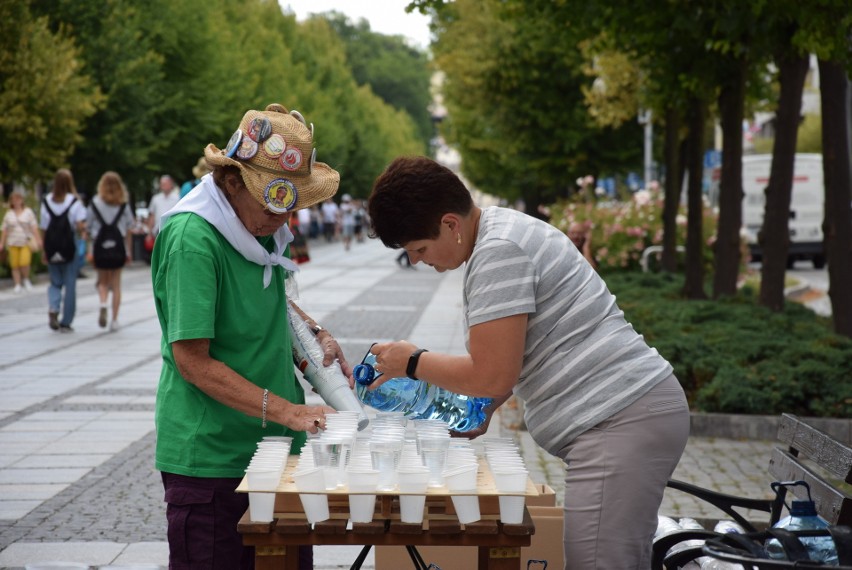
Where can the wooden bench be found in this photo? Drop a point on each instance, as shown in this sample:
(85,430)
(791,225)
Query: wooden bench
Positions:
(808,455)
(276,543)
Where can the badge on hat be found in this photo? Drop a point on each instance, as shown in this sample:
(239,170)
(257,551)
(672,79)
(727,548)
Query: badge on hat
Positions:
(247,149)
(234,143)
(280,195)
(274,146)
(291,159)
(259,129)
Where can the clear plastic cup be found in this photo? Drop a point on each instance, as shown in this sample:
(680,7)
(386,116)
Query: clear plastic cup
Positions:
(412,480)
(433,451)
(384,455)
(311,481)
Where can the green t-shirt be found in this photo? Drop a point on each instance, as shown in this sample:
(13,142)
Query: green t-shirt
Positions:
(204,288)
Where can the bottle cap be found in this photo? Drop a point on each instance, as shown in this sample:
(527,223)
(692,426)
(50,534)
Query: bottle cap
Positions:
(803,509)
(364,374)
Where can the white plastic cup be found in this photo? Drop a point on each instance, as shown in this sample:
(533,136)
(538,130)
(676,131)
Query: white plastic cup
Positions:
(315,505)
(361,507)
(262,505)
(412,480)
(511,506)
(464,479)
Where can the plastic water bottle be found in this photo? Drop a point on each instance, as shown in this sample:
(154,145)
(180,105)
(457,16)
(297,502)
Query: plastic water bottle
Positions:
(803,516)
(328,381)
(418,399)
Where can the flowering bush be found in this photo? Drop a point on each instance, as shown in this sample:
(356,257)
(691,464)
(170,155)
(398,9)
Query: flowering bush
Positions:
(621,231)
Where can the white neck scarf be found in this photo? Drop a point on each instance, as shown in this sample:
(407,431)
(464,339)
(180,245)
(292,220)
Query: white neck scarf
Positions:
(208,201)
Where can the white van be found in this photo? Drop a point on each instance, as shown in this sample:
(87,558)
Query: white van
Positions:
(806,206)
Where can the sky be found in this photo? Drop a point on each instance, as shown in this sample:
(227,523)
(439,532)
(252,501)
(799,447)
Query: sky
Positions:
(385,16)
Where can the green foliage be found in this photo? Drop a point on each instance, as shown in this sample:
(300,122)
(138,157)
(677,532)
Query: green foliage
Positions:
(398,73)
(808,140)
(622,230)
(516,109)
(733,356)
(44,96)
(176,76)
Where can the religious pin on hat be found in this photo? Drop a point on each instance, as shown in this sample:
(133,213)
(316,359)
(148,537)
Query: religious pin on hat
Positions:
(291,159)
(247,149)
(234,143)
(280,195)
(259,129)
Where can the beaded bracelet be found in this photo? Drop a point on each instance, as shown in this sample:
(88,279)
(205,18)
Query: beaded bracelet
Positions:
(265,400)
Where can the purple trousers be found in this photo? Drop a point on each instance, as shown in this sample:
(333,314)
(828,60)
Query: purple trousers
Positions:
(202,517)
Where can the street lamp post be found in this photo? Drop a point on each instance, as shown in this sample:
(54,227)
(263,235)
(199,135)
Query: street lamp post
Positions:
(645,119)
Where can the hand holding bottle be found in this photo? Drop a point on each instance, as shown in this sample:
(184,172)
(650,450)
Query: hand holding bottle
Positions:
(391,360)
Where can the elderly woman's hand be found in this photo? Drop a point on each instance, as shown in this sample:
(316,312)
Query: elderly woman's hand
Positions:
(331,351)
(305,418)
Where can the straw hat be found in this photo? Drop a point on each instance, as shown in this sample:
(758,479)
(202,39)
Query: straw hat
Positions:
(200,168)
(275,153)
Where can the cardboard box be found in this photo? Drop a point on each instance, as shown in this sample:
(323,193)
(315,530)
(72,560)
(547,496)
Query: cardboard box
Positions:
(546,543)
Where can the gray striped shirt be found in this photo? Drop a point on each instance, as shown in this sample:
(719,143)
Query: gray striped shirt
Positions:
(583,362)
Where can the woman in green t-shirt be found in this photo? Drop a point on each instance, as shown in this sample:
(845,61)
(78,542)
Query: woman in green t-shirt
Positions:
(219,269)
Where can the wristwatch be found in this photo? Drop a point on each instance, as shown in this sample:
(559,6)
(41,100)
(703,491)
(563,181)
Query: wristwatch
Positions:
(316,329)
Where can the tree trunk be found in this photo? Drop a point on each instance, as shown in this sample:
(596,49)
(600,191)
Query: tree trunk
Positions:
(727,247)
(774,236)
(837,225)
(694,286)
(672,190)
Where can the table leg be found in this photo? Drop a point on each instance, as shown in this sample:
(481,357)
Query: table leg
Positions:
(499,558)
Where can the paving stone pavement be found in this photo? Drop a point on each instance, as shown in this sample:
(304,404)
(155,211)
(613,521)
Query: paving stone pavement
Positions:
(77,481)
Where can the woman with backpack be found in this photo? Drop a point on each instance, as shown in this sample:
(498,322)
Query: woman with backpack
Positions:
(62,216)
(109,219)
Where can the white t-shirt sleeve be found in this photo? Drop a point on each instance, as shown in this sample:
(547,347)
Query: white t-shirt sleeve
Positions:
(501,282)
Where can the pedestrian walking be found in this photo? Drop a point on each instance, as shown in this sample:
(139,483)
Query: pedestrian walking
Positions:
(347,220)
(162,202)
(540,323)
(109,221)
(62,221)
(227,380)
(20,239)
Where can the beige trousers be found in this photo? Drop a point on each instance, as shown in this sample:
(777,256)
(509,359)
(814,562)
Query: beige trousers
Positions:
(615,477)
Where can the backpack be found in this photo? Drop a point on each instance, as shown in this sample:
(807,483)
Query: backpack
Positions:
(59,244)
(108,250)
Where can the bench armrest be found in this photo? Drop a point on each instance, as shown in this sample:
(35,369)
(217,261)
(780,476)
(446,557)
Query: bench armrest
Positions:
(724,502)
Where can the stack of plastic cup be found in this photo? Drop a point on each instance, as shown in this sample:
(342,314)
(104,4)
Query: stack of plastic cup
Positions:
(311,484)
(342,426)
(510,476)
(263,475)
(386,442)
(463,479)
(326,453)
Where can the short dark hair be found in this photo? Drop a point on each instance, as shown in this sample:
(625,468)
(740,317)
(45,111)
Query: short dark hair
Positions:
(411,196)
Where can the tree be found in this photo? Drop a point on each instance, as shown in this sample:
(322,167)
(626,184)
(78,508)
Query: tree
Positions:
(837,227)
(515,107)
(774,236)
(395,71)
(45,96)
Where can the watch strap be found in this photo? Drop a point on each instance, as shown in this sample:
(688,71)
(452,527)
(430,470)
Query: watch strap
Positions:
(412,363)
